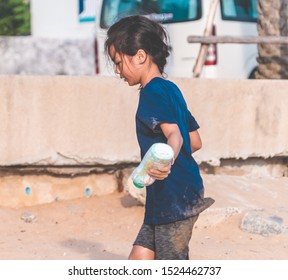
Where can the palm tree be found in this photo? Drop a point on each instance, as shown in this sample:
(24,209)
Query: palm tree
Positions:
(272,21)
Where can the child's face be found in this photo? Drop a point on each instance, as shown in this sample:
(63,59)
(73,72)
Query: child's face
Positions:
(128,67)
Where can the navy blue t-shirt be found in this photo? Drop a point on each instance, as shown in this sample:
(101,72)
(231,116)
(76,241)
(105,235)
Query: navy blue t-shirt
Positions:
(171,199)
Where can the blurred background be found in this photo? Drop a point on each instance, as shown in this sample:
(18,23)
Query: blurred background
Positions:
(66,37)
(47,37)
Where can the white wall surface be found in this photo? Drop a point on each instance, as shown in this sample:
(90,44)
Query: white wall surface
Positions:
(60,19)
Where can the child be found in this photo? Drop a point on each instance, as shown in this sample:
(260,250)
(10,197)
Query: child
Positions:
(138,49)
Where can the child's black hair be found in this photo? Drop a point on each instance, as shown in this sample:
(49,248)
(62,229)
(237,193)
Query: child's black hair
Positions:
(132,33)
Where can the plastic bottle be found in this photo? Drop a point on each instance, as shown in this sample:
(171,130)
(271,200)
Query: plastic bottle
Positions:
(158,155)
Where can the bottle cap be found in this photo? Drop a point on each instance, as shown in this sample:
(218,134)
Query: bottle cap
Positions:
(162,151)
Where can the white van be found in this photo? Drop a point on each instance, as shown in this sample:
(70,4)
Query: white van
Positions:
(183,18)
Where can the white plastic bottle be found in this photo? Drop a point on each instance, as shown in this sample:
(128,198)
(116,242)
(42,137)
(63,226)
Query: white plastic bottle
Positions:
(158,155)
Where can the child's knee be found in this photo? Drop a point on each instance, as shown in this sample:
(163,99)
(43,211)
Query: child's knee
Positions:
(141,253)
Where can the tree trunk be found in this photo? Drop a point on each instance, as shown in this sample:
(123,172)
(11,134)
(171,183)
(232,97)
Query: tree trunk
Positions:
(272,21)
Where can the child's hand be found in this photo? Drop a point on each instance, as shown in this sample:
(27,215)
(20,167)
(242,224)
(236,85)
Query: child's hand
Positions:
(160,173)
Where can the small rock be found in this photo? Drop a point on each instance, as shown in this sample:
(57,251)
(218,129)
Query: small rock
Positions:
(29,217)
(260,222)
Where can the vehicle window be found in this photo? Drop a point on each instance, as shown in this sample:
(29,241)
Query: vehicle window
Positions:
(239,10)
(165,11)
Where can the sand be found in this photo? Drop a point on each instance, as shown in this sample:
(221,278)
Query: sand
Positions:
(104,227)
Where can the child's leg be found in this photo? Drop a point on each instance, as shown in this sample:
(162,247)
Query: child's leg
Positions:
(172,240)
(143,247)
(141,253)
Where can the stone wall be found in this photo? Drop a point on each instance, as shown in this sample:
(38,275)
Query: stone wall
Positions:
(39,56)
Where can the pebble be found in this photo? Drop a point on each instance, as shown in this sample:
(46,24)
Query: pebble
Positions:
(263,223)
(28,217)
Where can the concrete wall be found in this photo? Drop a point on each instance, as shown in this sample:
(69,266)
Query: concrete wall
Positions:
(79,128)
(239,118)
(66,120)
(46,56)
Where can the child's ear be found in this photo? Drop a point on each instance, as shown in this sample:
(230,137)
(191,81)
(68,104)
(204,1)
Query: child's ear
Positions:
(141,56)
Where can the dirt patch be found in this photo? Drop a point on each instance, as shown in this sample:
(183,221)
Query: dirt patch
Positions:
(104,227)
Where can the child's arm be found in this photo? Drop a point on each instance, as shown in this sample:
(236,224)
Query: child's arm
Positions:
(195,141)
(173,135)
(175,140)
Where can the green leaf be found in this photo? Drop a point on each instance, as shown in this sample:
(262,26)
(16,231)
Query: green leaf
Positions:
(15,17)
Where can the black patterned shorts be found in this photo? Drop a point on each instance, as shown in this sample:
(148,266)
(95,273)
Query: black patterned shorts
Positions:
(168,241)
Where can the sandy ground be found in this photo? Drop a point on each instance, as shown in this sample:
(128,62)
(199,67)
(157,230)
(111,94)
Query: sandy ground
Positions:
(104,227)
